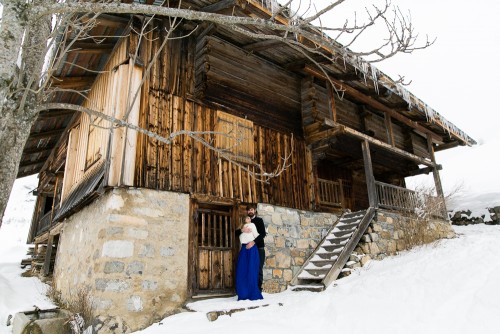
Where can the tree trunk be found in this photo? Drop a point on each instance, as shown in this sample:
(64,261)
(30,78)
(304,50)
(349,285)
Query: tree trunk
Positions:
(18,86)
(14,132)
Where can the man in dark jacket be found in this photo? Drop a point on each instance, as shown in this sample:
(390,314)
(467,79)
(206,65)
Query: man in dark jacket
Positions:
(259,241)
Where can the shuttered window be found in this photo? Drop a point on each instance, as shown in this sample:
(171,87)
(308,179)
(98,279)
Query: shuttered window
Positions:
(234,135)
(95,142)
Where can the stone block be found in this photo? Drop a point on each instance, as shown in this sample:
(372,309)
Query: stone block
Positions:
(149,285)
(114,285)
(118,248)
(391,247)
(374,237)
(298,261)
(167,251)
(127,220)
(364,260)
(137,233)
(114,267)
(374,249)
(135,268)
(134,304)
(271,261)
(277,273)
(147,250)
(377,228)
(287,275)
(271,229)
(276,219)
(283,260)
(303,243)
(279,242)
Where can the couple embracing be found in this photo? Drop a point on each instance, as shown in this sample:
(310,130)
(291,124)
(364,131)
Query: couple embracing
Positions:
(249,274)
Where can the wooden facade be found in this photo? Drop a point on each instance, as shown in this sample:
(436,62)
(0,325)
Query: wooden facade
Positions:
(342,148)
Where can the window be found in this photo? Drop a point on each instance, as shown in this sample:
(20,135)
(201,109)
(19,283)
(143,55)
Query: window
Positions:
(234,135)
(94,150)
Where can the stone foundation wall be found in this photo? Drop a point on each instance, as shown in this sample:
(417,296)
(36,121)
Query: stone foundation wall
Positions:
(386,234)
(292,235)
(129,249)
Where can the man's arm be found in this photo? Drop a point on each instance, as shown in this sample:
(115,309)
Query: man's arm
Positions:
(261,228)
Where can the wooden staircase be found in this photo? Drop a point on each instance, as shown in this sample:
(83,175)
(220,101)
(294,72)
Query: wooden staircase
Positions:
(328,259)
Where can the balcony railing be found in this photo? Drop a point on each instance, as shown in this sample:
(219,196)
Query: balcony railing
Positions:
(331,193)
(396,198)
(44,223)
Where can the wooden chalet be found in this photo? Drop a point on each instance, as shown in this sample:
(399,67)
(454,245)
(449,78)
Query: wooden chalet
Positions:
(349,151)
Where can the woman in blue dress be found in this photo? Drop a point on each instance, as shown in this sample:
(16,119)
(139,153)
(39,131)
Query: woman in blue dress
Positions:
(247,266)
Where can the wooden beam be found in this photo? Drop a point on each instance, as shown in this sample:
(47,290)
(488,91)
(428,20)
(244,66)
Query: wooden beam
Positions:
(41,135)
(90,48)
(354,93)
(38,149)
(370,179)
(112,21)
(435,173)
(218,6)
(32,163)
(388,129)
(351,132)
(425,170)
(262,45)
(72,82)
(446,146)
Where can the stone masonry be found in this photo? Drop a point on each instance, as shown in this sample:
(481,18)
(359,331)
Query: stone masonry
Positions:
(129,250)
(292,236)
(384,236)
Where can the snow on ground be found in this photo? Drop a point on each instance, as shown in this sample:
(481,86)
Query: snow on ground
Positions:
(18,293)
(447,287)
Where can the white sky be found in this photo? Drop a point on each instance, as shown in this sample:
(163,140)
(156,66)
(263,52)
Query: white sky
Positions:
(455,292)
(457,77)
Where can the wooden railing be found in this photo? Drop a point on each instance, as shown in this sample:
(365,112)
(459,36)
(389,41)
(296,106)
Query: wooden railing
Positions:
(331,193)
(396,198)
(44,223)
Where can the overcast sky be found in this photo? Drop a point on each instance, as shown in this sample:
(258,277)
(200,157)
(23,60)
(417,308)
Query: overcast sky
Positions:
(458,77)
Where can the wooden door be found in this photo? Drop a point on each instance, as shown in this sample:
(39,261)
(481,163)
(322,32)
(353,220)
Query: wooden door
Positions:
(214,244)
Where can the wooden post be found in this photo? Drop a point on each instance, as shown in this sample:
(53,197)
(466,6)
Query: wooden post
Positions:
(435,173)
(331,101)
(388,129)
(48,256)
(370,179)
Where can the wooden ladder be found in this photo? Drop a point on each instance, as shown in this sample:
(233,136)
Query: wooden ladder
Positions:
(325,263)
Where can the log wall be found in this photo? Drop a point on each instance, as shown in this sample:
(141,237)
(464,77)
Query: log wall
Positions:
(188,166)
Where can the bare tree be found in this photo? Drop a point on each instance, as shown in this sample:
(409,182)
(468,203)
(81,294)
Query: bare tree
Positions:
(30,51)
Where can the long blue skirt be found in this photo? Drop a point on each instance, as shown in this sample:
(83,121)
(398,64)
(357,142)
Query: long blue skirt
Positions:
(247,274)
